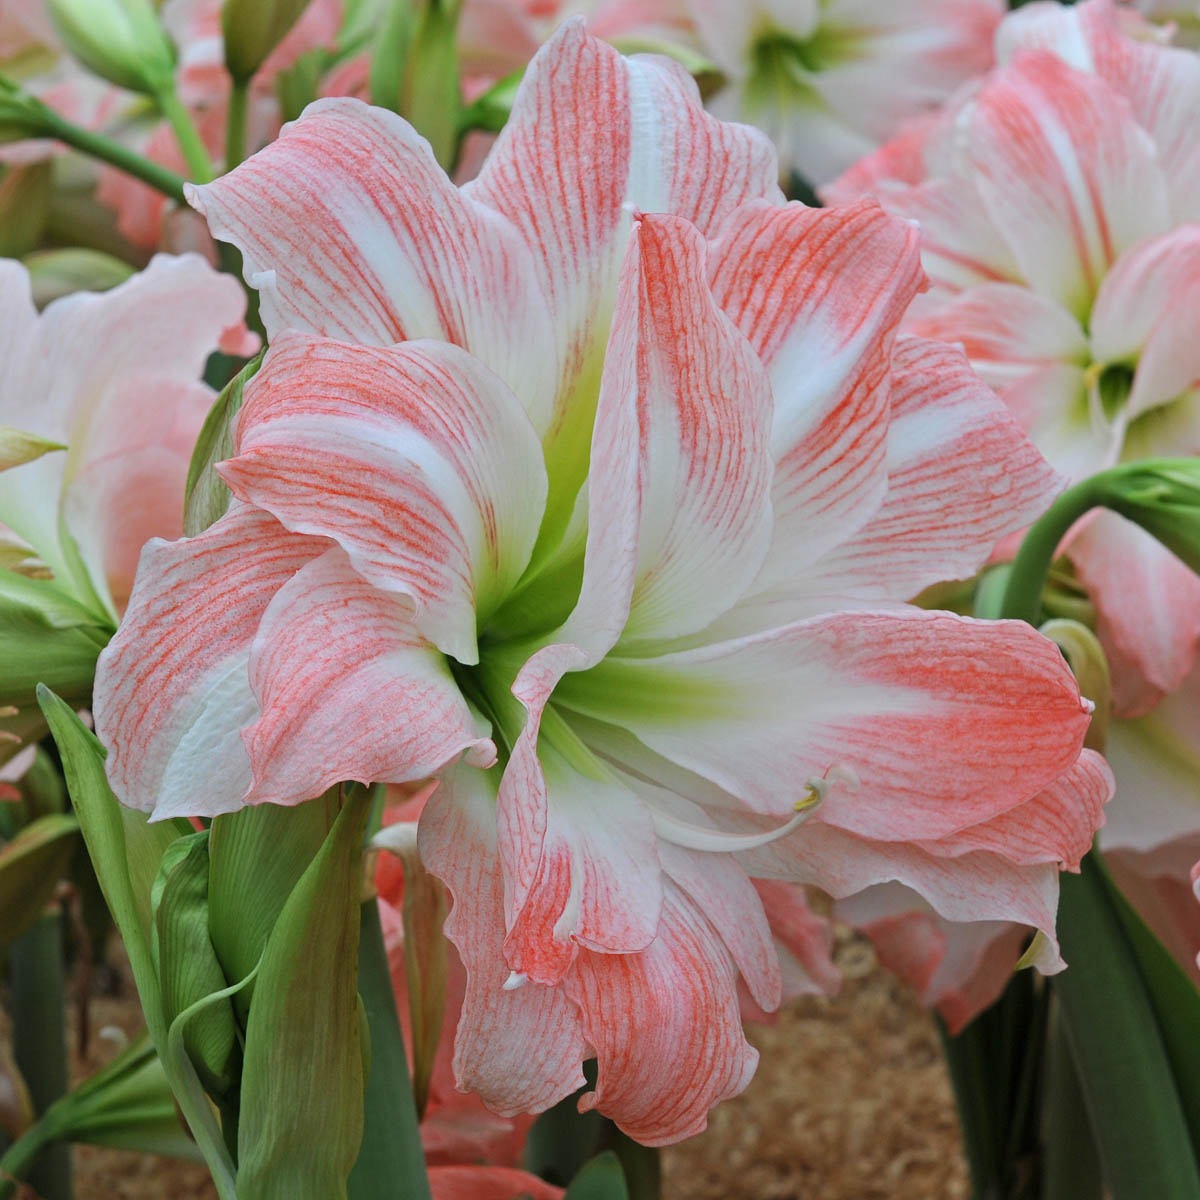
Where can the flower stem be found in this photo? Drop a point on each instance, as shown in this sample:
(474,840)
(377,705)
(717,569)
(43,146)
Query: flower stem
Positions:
(96,145)
(235,129)
(200,168)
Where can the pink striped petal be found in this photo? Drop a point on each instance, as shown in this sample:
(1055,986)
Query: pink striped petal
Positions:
(592,138)
(961,475)
(680,472)
(349,690)
(720,890)
(976,886)
(416,459)
(578,851)
(172,693)
(665,1027)
(1148,607)
(803,940)
(946,721)
(1065,172)
(349,228)
(521,1049)
(1142,316)
(1057,825)
(819,294)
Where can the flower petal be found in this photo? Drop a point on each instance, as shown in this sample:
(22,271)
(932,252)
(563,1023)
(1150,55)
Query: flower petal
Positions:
(665,1026)
(416,459)
(819,294)
(1148,608)
(521,1049)
(961,475)
(172,693)
(349,690)
(349,228)
(946,721)
(489,1183)
(1065,172)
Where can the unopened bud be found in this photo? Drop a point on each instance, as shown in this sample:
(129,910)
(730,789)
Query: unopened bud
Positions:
(253,28)
(1162,495)
(119,40)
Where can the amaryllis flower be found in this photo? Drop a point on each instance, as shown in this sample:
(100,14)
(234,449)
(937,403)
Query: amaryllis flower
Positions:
(1058,211)
(100,404)
(595,488)
(829,80)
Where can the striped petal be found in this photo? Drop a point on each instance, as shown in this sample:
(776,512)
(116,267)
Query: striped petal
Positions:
(961,475)
(416,459)
(945,721)
(172,691)
(819,294)
(349,228)
(349,690)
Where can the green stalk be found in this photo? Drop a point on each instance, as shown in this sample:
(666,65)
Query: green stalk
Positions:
(391,1161)
(235,129)
(1070,1165)
(39,1047)
(96,145)
(195,154)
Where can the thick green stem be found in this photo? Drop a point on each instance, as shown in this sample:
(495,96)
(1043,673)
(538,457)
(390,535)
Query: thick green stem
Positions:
(1071,1168)
(235,129)
(39,1046)
(95,145)
(391,1162)
(195,154)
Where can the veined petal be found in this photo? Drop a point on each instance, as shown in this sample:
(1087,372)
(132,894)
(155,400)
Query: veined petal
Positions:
(416,459)
(720,889)
(977,886)
(349,690)
(946,721)
(1141,316)
(803,940)
(522,1048)
(349,228)
(961,475)
(665,1026)
(1148,607)
(489,1183)
(172,692)
(1057,825)
(592,138)
(680,470)
(578,850)
(1065,172)
(819,294)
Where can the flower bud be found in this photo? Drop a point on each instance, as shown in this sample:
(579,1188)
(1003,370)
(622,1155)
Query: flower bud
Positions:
(24,206)
(55,273)
(1162,495)
(253,28)
(21,116)
(119,40)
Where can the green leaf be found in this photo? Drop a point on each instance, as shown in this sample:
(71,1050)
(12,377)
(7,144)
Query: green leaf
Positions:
(302,1078)
(1125,1071)
(126,851)
(188,969)
(206,496)
(31,866)
(601,1179)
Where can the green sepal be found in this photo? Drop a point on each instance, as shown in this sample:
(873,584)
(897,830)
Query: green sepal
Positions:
(70,269)
(206,495)
(31,866)
(252,29)
(126,851)
(46,637)
(187,965)
(119,40)
(256,858)
(600,1179)
(1161,495)
(302,1076)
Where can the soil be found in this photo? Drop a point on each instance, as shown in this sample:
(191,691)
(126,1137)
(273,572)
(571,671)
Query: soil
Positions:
(851,1102)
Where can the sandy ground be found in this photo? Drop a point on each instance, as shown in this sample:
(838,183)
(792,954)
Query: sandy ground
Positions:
(851,1102)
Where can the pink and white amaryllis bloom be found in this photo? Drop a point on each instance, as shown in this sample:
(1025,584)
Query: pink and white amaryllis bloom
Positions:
(596,488)
(100,402)
(829,80)
(1060,221)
